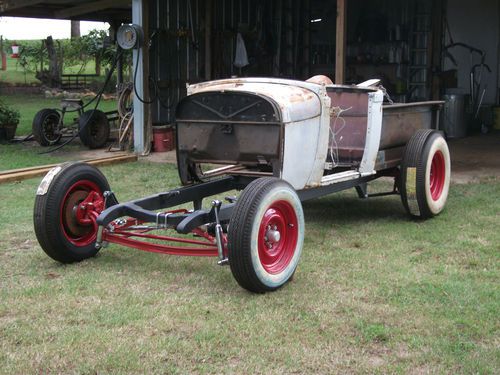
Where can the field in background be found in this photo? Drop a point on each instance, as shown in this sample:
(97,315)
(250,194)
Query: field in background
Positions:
(15,75)
(375,292)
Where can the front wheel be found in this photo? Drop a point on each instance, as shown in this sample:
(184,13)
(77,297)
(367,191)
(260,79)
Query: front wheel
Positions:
(425,174)
(67,204)
(265,235)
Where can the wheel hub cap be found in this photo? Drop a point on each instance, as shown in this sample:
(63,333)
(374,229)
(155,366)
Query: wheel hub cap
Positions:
(80,207)
(278,236)
(273,236)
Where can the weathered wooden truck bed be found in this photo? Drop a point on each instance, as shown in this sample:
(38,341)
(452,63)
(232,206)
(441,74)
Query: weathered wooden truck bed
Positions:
(350,119)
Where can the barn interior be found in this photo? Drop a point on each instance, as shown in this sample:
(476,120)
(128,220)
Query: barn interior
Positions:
(420,49)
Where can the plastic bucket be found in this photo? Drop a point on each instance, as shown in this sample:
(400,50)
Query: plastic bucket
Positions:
(163,138)
(8,132)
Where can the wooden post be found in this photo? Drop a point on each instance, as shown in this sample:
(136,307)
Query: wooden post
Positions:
(340,44)
(75,29)
(54,71)
(498,66)
(208,39)
(278,9)
(97,60)
(2,55)
(142,125)
(119,63)
(306,40)
(436,47)
(42,46)
(288,19)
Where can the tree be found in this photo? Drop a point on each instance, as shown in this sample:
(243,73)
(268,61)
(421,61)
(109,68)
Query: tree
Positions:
(55,68)
(75,29)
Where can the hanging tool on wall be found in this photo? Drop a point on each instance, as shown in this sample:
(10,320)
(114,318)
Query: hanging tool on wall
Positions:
(476,90)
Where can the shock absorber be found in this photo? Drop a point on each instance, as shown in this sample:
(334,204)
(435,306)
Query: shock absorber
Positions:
(216,205)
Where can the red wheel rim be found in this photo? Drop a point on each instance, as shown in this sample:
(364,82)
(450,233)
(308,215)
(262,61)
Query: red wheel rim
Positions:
(438,175)
(278,235)
(81,205)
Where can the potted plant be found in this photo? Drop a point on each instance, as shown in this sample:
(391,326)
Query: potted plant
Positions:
(9,118)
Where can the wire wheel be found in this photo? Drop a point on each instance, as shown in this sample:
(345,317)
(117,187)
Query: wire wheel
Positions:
(45,127)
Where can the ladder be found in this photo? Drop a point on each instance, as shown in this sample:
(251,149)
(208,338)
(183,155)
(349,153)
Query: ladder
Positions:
(419,76)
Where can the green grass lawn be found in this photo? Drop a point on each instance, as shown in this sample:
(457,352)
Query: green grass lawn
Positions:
(15,74)
(375,292)
(28,154)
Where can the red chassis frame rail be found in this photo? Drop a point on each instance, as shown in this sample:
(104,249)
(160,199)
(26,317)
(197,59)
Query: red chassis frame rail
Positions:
(122,223)
(125,234)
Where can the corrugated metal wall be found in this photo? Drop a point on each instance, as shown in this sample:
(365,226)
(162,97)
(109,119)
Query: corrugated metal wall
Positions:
(276,35)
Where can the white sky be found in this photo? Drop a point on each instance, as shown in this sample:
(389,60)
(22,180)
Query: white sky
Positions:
(35,28)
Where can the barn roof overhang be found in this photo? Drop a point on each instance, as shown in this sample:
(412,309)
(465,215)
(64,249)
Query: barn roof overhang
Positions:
(112,11)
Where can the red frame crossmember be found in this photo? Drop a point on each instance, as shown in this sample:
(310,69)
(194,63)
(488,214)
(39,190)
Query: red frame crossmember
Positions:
(123,234)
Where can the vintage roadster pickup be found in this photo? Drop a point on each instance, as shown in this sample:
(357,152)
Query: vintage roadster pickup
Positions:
(279,142)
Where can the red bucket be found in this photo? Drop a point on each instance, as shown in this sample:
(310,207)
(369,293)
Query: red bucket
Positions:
(163,138)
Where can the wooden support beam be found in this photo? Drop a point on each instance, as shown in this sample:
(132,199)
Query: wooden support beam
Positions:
(436,43)
(25,173)
(140,56)
(340,44)
(7,5)
(86,8)
(209,5)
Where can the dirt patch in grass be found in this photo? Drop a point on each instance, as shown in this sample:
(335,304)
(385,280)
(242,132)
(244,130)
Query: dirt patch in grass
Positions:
(474,158)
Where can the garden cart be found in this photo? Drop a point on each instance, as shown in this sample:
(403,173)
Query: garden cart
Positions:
(92,126)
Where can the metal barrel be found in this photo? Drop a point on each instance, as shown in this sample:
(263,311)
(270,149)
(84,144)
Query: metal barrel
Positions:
(454,118)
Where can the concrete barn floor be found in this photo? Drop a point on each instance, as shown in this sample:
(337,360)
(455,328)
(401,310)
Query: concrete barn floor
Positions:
(475,157)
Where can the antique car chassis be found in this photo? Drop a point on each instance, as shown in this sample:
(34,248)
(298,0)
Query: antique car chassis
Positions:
(260,233)
(185,221)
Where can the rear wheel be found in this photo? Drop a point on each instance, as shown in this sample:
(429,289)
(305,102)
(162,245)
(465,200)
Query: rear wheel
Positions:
(94,128)
(425,174)
(68,201)
(265,235)
(45,127)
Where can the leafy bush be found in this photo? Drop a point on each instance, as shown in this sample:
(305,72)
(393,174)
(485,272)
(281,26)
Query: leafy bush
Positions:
(71,52)
(8,115)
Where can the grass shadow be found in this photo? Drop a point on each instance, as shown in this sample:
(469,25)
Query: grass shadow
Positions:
(342,209)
